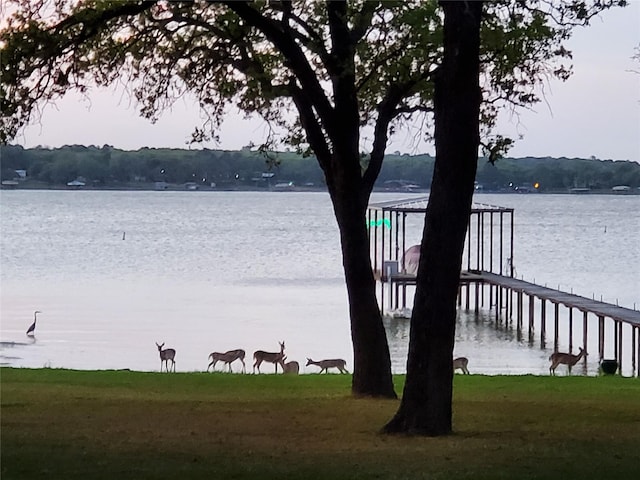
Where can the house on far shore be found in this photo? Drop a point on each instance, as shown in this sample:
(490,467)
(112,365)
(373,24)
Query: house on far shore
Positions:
(621,189)
(20,176)
(77,183)
(284,186)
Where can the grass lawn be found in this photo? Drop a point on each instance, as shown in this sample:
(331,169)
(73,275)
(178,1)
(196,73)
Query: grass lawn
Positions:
(64,424)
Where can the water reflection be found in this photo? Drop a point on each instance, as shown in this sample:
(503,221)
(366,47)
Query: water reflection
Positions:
(7,360)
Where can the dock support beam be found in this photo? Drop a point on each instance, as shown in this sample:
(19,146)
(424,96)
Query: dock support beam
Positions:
(556,323)
(619,352)
(543,322)
(519,313)
(532,306)
(600,336)
(570,330)
(584,331)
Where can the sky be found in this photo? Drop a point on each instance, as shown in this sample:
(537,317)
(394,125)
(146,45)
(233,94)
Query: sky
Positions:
(596,113)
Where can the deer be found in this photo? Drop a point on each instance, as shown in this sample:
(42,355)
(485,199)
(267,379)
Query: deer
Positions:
(166,355)
(461,363)
(568,359)
(227,358)
(260,356)
(292,368)
(325,365)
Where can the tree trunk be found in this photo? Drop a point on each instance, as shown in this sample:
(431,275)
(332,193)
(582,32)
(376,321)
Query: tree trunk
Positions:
(372,362)
(426,403)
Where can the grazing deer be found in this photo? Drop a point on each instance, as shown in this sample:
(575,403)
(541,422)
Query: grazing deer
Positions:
(558,358)
(461,363)
(166,355)
(276,358)
(325,365)
(292,368)
(227,358)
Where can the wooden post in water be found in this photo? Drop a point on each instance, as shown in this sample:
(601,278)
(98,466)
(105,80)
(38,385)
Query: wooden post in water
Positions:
(619,356)
(490,296)
(615,340)
(556,311)
(478,240)
(600,336)
(570,329)
(469,245)
(482,241)
(501,233)
(637,347)
(477,299)
(505,295)
(543,322)
(532,302)
(633,349)
(510,304)
(519,313)
(468,289)
(584,330)
(490,245)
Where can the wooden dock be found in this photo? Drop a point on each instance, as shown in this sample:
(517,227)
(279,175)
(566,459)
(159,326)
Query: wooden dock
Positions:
(507,298)
(569,300)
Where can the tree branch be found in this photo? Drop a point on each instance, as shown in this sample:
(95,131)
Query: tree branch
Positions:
(296,60)
(315,134)
(362,20)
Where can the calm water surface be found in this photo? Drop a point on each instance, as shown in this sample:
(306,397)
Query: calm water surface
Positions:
(213,271)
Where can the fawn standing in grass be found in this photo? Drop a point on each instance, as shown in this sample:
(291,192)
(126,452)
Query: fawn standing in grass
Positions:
(166,355)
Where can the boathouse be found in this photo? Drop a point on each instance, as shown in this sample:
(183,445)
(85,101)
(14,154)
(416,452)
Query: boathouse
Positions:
(488,281)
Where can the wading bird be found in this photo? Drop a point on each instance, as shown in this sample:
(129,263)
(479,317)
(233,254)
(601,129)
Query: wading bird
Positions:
(31,329)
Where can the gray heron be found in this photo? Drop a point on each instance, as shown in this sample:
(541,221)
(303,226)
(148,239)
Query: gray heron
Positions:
(31,329)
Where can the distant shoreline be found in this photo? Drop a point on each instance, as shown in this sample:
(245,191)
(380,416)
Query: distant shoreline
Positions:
(150,187)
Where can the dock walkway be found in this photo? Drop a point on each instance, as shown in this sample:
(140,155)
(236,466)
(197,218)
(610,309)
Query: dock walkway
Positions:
(570,300)
(503,288)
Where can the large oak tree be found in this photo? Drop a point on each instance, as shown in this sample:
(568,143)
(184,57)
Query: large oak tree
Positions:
(324,72)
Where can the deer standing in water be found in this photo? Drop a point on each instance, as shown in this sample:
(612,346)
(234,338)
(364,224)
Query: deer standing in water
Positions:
(461,363)
(166,355)
(260,356)
(292,367)
(227,358)
(568,359)
(325,365)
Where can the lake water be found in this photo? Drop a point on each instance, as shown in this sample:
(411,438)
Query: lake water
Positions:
(114,272)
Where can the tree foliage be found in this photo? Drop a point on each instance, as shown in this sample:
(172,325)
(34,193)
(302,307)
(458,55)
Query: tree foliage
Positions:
(258,55)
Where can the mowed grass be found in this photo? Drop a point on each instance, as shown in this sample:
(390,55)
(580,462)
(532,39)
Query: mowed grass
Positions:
(63,424)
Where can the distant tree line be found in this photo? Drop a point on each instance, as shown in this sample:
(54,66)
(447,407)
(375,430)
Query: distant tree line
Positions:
(111,167)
